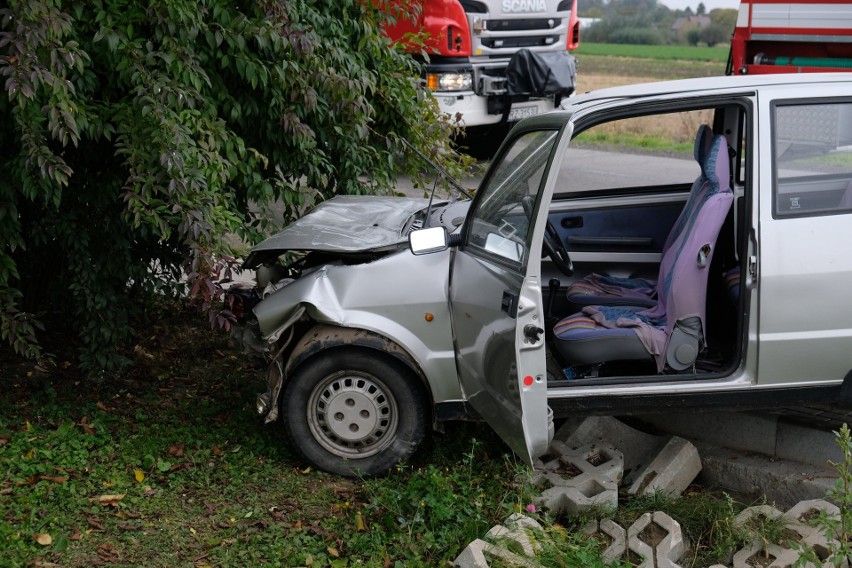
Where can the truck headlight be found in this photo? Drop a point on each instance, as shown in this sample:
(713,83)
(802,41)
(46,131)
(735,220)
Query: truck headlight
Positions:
(449,81)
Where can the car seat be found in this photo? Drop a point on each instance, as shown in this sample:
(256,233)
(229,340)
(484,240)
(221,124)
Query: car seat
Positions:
(598,289)
(673,331)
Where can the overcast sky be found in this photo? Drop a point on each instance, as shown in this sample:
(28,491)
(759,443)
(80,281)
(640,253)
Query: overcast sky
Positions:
(709,4)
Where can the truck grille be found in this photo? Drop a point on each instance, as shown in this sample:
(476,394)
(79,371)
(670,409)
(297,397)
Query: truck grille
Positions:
(518,42)
(526,24)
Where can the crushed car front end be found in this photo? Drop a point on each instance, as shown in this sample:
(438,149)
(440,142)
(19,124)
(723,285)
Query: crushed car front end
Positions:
(342,277)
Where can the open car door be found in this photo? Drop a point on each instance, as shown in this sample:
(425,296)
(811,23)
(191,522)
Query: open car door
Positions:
(495,289)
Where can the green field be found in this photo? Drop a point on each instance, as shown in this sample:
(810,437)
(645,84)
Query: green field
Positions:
(650,62)
(670,52)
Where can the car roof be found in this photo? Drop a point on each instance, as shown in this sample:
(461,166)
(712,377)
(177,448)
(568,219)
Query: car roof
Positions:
(704,84)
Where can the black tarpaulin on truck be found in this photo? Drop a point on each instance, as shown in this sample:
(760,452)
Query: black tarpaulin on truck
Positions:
(541,74)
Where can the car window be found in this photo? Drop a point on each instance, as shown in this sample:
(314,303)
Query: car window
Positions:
(812,151)
(500,223)
(635,152)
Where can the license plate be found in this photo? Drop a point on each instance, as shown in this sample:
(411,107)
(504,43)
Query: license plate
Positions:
(517,113)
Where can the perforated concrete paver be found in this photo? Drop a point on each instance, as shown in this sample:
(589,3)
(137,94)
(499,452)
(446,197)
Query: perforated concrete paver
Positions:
(613,533)
(671,471)
(579,493)
(515,528)
(658,539)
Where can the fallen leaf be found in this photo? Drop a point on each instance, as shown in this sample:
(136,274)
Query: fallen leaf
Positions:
(309,561)
(360,525)
(305,471)
(43,539)
(5,440)
(139,475)
(27,426)
(85,426)
(127,515)
(95,523)
(75,535)
(102,406)
(107,500)
(333,551)
(108,553)
(216,450)
(176,450)
(55,478)
(6,490)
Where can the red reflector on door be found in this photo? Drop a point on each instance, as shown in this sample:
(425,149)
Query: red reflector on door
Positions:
(528,381)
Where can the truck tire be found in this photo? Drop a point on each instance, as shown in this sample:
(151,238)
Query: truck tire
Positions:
(353,412)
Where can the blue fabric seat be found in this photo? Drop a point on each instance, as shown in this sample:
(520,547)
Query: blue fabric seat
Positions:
(598,289)
(673,331)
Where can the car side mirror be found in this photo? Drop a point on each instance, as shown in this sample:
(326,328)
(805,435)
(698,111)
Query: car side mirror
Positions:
(427,241)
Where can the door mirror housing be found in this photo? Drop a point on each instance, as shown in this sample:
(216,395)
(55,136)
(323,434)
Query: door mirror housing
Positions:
(427,241)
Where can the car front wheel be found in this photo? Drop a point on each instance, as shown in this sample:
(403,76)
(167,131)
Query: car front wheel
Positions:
(354,412)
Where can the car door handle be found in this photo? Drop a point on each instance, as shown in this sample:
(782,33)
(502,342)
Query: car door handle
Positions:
(571,222)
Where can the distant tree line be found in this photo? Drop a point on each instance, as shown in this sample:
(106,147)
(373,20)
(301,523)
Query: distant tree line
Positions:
(647,22)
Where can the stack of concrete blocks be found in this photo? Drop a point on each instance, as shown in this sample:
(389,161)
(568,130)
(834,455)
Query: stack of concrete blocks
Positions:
(795,520)
(518,531)
(585,468)
(579,478)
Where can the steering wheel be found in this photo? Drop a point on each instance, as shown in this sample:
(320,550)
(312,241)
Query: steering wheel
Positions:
(555,249)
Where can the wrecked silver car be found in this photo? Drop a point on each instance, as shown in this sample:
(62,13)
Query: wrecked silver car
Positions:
(651,246)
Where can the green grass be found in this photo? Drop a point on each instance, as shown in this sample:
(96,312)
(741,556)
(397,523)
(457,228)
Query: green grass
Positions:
(169,466)
(665,52)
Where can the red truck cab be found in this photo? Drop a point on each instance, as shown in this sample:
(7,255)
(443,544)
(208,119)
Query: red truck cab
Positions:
(492,62)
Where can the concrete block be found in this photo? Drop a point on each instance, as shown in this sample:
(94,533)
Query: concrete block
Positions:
(617,537)
(748,513)
(800,518)
(798,443)
(499,534)
(736,430)
(613,534)
(674,468)
(473,556)
(781,482)
(765,556)
(638,448)
(658,539)
(478,553)
(603,461)
(578,494)
(515,528)
(519,521)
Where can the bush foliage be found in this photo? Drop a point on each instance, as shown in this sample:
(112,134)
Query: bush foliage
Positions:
(137,134)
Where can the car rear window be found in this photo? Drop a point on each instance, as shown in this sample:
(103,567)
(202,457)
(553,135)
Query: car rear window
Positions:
(812,159)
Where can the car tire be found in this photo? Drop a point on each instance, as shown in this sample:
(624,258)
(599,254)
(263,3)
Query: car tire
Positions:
(354,412)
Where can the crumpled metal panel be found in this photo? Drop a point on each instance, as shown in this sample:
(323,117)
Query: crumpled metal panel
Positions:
(349,223)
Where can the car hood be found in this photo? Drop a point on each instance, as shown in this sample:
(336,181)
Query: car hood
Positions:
(346,224)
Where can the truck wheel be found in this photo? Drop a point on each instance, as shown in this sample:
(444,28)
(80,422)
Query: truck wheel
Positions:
(354,412)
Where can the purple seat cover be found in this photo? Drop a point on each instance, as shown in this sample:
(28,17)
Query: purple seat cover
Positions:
(597,288)
(682,283)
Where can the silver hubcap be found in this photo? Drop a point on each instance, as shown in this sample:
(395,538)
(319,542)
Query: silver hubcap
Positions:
(351,414)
